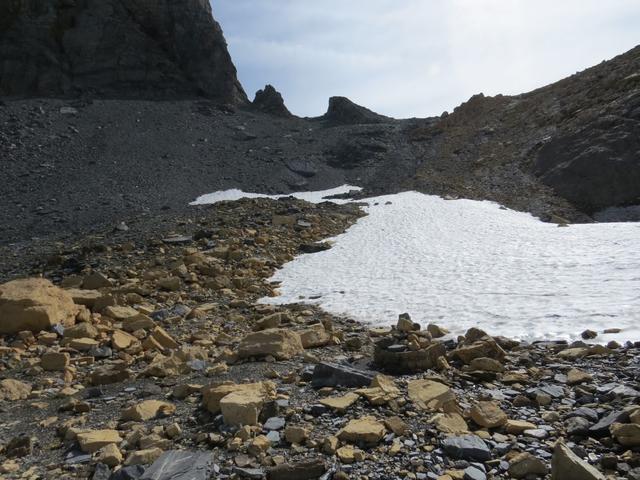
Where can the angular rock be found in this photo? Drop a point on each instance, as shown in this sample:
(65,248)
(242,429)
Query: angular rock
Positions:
(34,304)
(467,447)
(305,470)
(365,430)
(341,403)
(627,434)
(602,427)
(270,101)
(279,343)
(94,440)
(450,423)
(55,361)
(526,465)
(430,395)
(488,415)
(181,465)
(12,390)
(337,375)
(314,336)
(566,465)
(148,410)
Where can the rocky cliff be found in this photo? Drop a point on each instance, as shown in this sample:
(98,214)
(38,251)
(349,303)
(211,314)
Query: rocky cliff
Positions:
(114,48)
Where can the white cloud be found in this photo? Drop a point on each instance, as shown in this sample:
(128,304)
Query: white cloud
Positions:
(418,57)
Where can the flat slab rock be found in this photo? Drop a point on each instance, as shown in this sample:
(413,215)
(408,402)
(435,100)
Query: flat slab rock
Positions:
(467,447)
(337,375)
(181,465)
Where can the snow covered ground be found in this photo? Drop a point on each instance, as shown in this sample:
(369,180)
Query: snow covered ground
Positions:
(313,197)
(465,263)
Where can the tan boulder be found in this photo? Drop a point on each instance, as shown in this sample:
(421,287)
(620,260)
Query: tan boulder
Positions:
(450,423)
(93,440)
(340,403)
(120,313)
(110,455)
(161,336)
(365,430)
(144,457)
(485,347)
(525,465)
(627,435)
(88,298)
(34,304)
(576,376)
(431,395)
(148,410)
(314,336)
(81,330)
(240,404)
(281,344)
(488,415)
(121,340)
(14,390)
(517,427)
(55,361)
(486,365)
(296,434)
(566,465)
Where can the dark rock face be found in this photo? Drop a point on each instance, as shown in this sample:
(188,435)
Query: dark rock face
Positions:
(343,111)
(596,167)
(115,48)
(270,101)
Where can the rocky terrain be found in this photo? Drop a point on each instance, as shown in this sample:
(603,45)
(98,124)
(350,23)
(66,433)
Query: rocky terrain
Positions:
(133,344)
(147,356)
(113,110)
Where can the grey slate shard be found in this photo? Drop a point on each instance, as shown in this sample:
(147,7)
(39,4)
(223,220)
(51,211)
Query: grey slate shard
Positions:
(181,465)
(337,375)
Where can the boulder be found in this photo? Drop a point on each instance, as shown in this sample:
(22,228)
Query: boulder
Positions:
(488,415)
(144,457)
(181,465)
(314,336)
(14,390)
(337,375)
(525,465)
(240,404)
(566,465)
(431,395)
(485,347)
(93,440)
(270,101)
(341,403)
(365,430)
(55,361)
(627,434)
(148,410)
(450,423)
(281,344)
(467,447)
(308,469)
(34,304)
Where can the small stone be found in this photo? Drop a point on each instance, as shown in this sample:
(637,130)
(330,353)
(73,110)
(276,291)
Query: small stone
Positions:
(517,427)
(467,447)
(430,395)
(575,377)
(450,423)
(278,343)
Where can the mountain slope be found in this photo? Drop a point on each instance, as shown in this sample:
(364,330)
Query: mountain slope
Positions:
(115,48)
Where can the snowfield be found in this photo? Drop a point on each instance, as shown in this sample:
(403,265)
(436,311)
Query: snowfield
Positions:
(465,263)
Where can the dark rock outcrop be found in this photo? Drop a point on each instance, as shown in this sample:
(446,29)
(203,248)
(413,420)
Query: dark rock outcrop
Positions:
(115,48)
(343,111)
(270,101)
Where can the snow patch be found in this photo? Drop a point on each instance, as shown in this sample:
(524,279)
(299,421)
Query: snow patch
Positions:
(313,197)
(466,263)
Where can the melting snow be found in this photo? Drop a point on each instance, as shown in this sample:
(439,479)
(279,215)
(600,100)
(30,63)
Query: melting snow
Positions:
(465,263)
(313,197)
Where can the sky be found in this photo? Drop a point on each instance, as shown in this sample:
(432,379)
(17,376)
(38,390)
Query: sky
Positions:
(418,58)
